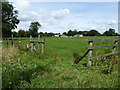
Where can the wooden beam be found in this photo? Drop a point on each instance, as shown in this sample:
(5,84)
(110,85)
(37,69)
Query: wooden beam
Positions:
(108,54)
(76,62)
(34,41)
(101,47)
(102,39)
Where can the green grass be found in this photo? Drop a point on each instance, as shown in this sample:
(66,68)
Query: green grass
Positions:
(55,68)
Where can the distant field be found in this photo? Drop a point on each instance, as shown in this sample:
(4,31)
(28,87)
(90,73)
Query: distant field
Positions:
(55,68)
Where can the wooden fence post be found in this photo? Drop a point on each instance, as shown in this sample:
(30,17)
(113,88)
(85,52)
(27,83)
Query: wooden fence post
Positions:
(90,43)
(12,41)
(114,47)
(38,43)
(31,43)
(7,42)
(43,45)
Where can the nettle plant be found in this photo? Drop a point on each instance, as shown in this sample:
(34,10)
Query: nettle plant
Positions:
(107,64)
(76,56)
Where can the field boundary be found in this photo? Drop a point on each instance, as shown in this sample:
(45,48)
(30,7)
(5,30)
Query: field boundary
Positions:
(29,46)
(90,49)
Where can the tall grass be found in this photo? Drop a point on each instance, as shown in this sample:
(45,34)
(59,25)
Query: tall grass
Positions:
(55,68)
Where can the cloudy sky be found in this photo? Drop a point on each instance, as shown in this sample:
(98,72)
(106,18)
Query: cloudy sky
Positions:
(63,16)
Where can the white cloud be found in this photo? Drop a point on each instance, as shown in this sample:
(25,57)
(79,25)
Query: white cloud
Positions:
(113,22)
(22,4)
(28,16)
(59,14)
(60,20)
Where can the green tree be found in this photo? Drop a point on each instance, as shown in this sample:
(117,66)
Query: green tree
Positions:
(34,28)
(41,34)
(74,32)
(15,34)
(9,19)
(21,33)
(110,32)
(65,33)
(80,32)
(85,33)
(93,33)
(27,33)
(70,33)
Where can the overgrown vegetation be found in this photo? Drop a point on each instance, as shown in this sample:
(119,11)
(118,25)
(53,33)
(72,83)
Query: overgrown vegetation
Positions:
(55,69)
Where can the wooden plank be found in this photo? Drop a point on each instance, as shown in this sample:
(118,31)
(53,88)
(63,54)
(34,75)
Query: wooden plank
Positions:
(101,39)
(13,39)
(34,41)
(101,47)
(76,62)
(108,54)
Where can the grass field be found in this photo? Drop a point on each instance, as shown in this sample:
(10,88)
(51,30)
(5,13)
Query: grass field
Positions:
(55,68)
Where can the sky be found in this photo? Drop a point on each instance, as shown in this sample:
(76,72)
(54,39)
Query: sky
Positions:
(59,17)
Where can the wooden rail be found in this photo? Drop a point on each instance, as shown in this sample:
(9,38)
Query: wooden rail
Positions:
(82,57)
(91,40)
(91,48)
(34,41)
(108,54)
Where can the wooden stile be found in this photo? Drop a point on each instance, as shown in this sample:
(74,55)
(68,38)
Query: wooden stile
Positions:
(33,42)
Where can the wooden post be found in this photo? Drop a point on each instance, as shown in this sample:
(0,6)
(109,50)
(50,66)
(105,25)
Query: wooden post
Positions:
(12,41)
(30,37)
(114,47)
(38,43)
(7,42)
(96,63)
(90,43)
(43,45)
(31,43)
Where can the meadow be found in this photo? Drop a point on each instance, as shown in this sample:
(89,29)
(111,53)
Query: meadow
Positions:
(55,68)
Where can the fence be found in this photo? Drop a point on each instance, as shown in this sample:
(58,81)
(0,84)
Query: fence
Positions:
(11,41)
(31,44)
(90,49)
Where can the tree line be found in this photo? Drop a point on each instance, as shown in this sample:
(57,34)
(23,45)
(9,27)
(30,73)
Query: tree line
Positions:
(27,33)
(110,32)
(10,20)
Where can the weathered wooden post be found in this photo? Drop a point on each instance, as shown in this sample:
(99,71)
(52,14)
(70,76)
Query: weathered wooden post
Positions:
(6,42)
(90,43)
(114,47)
(43,45)
(12,41)
(31,43)
(38,43)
